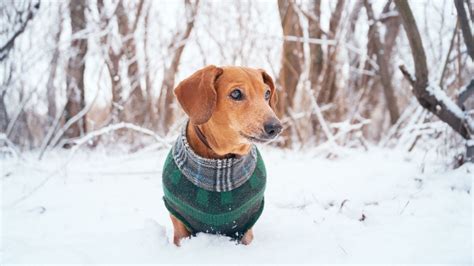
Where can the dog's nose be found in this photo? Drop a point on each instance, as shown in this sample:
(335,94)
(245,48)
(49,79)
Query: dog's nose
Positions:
(272,128)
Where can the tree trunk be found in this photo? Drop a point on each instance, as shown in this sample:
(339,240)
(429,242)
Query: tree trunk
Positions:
(166,93)
(382,62)
(3,112)
(316,53)
(151,118)
(328,87)
(50,87)
(353,17)
(292,62)
(135,109)
(114,57)
(292,56)
(75,71)
(465,27)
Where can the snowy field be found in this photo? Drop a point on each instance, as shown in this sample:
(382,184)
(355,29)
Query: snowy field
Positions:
(380,206)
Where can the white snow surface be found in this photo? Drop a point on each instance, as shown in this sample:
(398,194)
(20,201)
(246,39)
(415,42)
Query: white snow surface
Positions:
(108,209)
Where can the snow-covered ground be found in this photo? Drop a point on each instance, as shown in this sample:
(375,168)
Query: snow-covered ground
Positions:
(380,206)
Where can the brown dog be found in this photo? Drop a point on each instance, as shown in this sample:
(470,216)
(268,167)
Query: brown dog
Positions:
(229,108)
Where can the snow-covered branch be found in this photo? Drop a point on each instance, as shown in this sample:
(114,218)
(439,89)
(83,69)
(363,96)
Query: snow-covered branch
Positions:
(430,97)
(114,127)
(10,145)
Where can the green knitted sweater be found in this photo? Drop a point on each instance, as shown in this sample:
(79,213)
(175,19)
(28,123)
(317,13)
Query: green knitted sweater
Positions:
(229,213)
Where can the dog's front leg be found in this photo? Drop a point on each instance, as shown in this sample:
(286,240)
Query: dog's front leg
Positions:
(247,238)
(180,230)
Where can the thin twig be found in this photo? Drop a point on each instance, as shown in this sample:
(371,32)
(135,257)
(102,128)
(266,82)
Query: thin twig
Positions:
(407,74)
(465,93)
(91,135)
(451,45)
(11,146)
(319,116)
(79,143)
(73,120)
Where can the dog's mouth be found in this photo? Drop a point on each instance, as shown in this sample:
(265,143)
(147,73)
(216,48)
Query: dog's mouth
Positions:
(255,139)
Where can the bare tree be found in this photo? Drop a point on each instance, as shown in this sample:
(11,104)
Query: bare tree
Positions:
(316,52)
(3,108)
(292,56)
(357,89)
(75,70)
(373,74)
(135,109)
(50,87)
(177,47)
(292,61)
(151,118)
(328,86)
(431,98)
(113,59)
(382,61)
(14,19)
(132,108)
(21,18)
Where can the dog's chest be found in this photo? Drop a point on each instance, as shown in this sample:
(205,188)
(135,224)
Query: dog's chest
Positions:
(229,213)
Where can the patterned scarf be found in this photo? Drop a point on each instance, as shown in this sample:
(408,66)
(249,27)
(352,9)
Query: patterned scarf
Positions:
(218,175)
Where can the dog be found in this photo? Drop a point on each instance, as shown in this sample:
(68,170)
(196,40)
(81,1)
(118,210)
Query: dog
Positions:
(214,176)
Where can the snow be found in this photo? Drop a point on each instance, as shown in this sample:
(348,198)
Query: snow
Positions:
(101,208)
(442,97)
(470,142)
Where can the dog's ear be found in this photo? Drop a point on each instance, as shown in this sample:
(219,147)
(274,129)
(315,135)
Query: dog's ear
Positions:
(273,93)
(197,94)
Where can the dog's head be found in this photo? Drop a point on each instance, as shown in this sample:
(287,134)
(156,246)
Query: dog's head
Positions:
(238,101)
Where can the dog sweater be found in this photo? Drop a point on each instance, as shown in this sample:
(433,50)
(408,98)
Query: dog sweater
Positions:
(215,199)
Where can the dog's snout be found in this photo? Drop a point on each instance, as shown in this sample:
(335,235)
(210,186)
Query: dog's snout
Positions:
(272,128)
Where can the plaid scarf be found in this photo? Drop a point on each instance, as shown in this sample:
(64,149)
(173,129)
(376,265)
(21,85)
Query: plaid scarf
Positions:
(218,175)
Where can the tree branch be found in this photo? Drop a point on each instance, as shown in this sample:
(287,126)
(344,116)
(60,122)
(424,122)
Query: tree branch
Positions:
(431,98)
(9,44)
(465,28)
(383,70)
(465,93)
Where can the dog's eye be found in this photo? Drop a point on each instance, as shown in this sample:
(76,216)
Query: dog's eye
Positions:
(267,95)
(237,95)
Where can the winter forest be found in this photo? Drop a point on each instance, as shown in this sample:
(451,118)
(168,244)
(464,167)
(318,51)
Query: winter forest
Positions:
(374,163)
